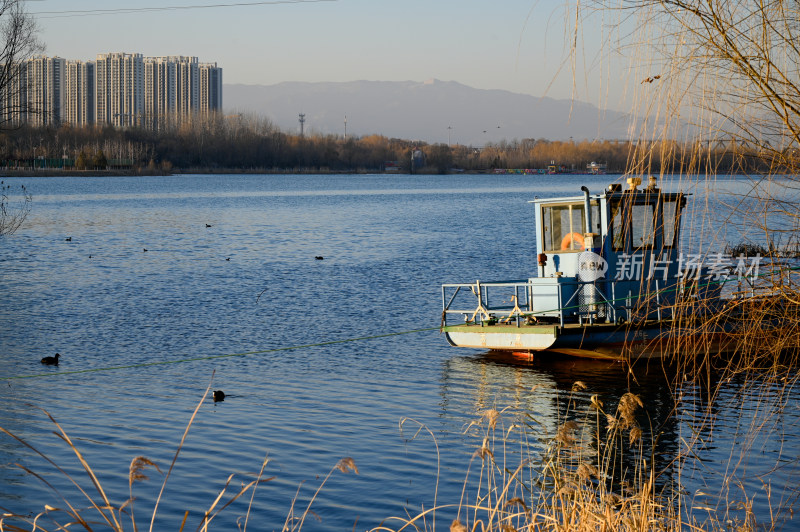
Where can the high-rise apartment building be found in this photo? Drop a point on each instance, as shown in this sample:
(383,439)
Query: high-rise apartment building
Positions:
(187,86)
(119,89)
(210,88)
(41,98)
(14,98)
(172,89)
(159,76)
(79,106)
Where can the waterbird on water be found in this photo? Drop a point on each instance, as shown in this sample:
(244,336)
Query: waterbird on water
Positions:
(318,257)
(219,395)
(208,225)
(51,361)
(68,239)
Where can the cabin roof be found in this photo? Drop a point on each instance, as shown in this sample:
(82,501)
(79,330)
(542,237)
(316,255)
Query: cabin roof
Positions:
(615,194)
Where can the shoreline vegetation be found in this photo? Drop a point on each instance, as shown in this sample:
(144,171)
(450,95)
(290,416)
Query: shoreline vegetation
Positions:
(246,144)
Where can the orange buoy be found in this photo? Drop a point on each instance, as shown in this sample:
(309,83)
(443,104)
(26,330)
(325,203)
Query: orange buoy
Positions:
(566,243)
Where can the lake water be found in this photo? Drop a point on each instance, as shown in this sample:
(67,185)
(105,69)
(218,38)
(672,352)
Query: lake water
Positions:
(249,285)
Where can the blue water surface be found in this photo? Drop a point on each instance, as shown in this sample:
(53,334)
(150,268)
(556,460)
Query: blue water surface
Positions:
(164,275)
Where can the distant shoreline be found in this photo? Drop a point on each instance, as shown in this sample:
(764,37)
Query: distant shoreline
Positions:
(56,172)
(188,171)
(79,173)
(279,171)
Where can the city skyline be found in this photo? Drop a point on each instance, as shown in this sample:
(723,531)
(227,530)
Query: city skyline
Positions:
(117,88)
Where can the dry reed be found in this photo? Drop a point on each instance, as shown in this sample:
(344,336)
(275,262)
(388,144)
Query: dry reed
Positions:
(597,473)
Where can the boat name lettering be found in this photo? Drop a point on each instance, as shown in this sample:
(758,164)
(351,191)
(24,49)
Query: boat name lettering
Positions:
(591,266)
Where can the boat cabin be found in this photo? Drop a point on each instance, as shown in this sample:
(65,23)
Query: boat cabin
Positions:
(623,241)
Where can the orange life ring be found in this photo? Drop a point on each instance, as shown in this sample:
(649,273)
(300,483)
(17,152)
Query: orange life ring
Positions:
(566,242)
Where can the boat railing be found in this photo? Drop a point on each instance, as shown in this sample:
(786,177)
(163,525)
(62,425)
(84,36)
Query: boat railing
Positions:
(507,302)
(488,308)
(526,302)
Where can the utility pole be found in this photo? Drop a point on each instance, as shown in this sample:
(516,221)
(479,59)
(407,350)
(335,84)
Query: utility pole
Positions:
(302,121)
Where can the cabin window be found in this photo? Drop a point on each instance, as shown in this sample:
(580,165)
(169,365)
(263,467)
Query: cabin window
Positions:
(564,226)
(643,221)
(596,221)
(670,209)
(634,223)
(618,226)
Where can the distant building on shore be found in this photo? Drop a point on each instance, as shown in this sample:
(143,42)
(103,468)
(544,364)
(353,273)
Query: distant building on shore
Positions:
(118,89)
(79,93)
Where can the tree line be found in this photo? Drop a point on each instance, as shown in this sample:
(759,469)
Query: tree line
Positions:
(247,143)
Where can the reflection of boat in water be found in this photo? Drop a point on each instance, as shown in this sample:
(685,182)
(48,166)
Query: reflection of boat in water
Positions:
(548,393)
(611,284)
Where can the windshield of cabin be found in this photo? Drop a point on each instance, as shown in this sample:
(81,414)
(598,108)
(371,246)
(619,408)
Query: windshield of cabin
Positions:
(635,224)
(670,209)
(643,225)
(564,226)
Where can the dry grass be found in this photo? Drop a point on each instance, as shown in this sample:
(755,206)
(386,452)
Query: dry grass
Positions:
(572,486)
(596,473)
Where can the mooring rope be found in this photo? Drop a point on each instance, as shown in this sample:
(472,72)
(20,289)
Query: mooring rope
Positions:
(216,357)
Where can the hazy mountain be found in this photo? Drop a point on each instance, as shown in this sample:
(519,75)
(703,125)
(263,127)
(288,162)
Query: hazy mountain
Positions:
(423,111)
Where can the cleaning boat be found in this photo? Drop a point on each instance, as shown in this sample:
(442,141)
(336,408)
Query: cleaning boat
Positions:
(611,283)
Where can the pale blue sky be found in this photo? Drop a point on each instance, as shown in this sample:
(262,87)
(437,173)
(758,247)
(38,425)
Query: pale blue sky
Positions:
(516,45)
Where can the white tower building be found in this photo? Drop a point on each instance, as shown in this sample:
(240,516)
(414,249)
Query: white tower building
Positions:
(43,83)
(172,89)
(79,106)
(119,89)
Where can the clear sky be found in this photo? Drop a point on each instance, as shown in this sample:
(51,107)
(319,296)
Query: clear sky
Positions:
(516,45)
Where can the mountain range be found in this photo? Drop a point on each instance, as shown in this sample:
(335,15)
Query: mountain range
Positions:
(432,111)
